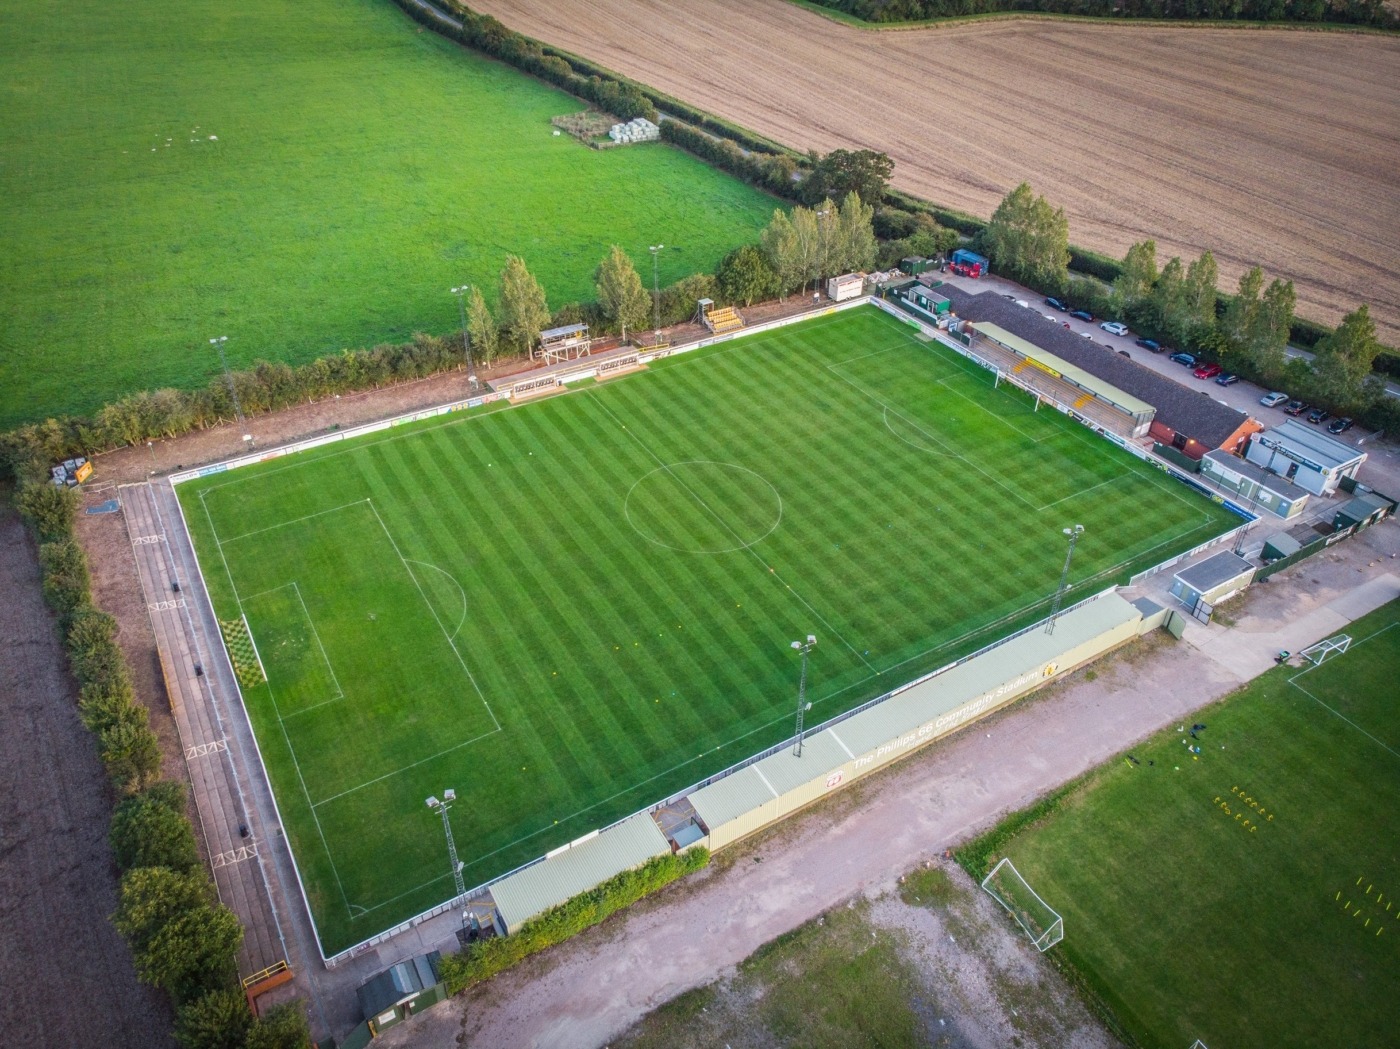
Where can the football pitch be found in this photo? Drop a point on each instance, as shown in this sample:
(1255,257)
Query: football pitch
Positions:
(570,609)
(1248,896)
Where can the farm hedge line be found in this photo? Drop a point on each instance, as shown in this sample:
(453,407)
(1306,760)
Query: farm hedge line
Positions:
(1309,12)
(485,958)
(182,940)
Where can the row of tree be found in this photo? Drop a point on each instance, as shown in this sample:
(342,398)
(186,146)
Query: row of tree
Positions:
(182,939)
(1355,12)
(1028,240)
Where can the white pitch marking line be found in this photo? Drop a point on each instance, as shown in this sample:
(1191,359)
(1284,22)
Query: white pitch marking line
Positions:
(317,634)
(295,520)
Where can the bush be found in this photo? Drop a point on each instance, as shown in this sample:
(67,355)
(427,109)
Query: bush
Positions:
(149,829)
(65,577)
(217,1020)
(130,751)
(483,959)
(48,509)
(281,1027)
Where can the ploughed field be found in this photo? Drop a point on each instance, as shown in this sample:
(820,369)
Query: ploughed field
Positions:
(301,178)
(1275,147)
(571,609)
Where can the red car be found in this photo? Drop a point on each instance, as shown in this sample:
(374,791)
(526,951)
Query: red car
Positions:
(1208,371)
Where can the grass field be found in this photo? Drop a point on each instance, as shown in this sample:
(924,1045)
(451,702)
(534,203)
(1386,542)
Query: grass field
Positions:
(301,178)
(568,610)
(1248,896)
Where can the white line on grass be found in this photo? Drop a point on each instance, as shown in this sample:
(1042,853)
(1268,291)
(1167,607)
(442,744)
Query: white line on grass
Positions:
(737,538)
(281,723)
(433,612)
(1308,670)
(295,520)
(317,635)
(460,590)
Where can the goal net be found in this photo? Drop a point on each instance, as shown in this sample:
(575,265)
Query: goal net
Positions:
(1315,654)
(1040,921)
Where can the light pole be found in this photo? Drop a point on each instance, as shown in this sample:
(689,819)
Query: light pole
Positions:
(218,344)
(1074,534)
(441,807)
(655,250)
(802,705)
(461,294)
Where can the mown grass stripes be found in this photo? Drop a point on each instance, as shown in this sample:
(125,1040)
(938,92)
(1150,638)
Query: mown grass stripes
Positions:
(621,663)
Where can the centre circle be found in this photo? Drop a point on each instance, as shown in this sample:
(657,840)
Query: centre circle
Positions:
(703,507)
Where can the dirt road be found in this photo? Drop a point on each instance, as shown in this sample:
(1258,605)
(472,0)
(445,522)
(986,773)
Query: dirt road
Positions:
(587,991)
(1248,143)
(66,977)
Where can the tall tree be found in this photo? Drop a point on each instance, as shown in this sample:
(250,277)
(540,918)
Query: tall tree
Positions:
(1029,240)
(1345,357)
(745,275)
(1273,324)
(783,250)
(1200,291)
(1139,274)
(1242,315)
(620,293)
(855,247)
(806,229)
(1169,299)
(524,312)
(481,327)
(843,171)
(281,1027)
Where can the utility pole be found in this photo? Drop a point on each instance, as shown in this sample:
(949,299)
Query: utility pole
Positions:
(802,705)
(655,250)
(441,808)
(1074,534)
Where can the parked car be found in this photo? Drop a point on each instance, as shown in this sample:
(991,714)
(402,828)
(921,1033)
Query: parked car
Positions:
(1150,344)
(1184,358)
(1273,400)
(1207,371)
(1114,328)
(1083,315)
(1056,304)
(1295,407)
(1318,415)
(1341,425)
(1229,379)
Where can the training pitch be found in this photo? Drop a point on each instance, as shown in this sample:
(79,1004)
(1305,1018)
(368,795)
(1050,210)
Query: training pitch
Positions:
(1248,895)
(571,609)
(302,178)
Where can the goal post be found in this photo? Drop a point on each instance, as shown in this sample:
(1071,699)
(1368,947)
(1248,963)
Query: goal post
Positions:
(1041,922)
(1316,654)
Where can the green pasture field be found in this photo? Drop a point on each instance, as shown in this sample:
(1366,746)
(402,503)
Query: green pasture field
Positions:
(302,178)
(1248,896)
(569,609)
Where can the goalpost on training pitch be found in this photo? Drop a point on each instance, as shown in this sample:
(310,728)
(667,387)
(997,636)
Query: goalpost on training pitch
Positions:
(1042,922)
(1316,654)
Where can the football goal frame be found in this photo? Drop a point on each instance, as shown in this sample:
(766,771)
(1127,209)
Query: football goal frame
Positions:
(1318,653)
(1041,922)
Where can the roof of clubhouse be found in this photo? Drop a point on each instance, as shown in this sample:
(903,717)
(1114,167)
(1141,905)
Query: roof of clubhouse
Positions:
(1194,413)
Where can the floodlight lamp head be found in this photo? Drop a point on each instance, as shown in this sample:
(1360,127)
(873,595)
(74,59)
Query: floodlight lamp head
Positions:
(449,795)
(811,639)
(433,802)
(807,707)
(797,644)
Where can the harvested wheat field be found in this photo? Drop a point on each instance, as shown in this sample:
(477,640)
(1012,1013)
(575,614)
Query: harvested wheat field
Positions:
(1274,147)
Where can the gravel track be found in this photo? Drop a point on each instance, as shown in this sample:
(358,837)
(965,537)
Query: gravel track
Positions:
(1275,147)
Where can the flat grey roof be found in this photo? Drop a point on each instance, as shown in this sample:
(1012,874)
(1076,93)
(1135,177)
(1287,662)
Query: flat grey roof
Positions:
(1310,442)
(565,330)
(550,882)
(1213,571)
(1276,483)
